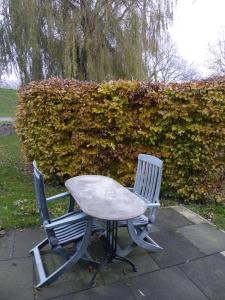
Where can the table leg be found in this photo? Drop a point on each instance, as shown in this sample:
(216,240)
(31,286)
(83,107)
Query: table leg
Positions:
(111,247)
(127,260)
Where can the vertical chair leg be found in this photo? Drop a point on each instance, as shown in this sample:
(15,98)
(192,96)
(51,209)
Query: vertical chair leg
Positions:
(142,238)
(37,256)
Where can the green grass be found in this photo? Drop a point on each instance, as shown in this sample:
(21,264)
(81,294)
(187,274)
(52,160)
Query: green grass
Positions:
(17,200)
(213,213)
(8,100)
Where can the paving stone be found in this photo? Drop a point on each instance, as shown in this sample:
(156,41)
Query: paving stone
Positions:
(16,279)
(124,237)
(106,292)
(177,249)
(6,245)
(208,274)
(76,279)
(206,237)
(168,284)
(121,270)
(25,240)
(190,215)
(182,240)
(168,219)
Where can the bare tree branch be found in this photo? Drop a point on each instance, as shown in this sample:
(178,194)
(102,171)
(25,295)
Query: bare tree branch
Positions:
(216,62)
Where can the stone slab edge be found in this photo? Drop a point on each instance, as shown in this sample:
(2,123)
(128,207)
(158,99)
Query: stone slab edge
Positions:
(192,216)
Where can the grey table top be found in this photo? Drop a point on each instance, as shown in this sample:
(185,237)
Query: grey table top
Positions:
(104,198)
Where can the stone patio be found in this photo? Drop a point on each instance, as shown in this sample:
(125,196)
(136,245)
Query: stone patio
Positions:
(191,266)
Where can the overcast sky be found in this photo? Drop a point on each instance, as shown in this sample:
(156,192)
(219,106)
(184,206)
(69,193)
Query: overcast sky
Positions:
(196,24)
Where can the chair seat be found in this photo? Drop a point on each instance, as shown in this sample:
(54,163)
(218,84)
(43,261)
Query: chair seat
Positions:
(70,232)
(141,220)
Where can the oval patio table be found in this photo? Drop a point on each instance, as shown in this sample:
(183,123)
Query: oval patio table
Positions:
(104,198)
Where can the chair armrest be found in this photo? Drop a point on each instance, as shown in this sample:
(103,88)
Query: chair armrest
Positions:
(67,220)
(152,205)
(149,205)
(57,197)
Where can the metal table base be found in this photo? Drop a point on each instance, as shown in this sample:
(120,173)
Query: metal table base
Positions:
(110,249)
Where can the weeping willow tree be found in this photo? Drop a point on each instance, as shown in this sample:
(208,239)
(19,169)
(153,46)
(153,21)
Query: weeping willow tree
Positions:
(83,39)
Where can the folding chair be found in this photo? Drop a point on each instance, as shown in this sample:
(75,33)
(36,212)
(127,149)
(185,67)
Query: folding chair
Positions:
(73,227)
(147,187)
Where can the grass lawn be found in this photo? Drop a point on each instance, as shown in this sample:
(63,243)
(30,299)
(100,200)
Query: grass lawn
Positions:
(8,100)
(17,200)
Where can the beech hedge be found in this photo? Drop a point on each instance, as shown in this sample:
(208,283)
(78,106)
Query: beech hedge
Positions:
(73,128)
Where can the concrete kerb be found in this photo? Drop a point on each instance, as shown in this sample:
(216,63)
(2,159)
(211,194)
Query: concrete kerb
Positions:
(190,215)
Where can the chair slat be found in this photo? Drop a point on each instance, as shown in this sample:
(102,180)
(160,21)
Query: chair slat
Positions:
(67,227)
(141,176)
(156,197)
(145,175)
(148,181)
(153,184)
(73,230)
(138,178)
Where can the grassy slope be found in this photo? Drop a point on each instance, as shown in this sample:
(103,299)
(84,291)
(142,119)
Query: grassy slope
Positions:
(8,100)
(17,204)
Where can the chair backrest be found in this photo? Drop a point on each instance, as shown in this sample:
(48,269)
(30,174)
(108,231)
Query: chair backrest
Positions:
(39,186)
(148,178)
